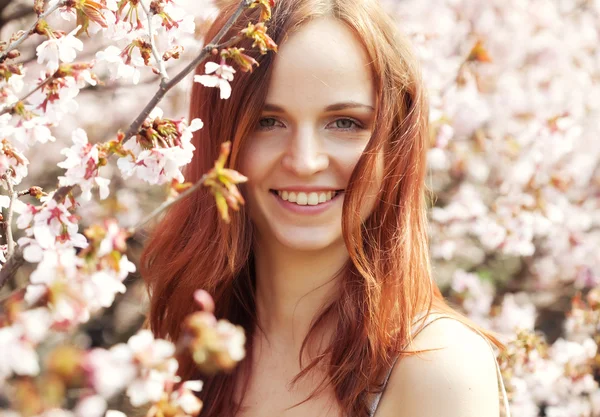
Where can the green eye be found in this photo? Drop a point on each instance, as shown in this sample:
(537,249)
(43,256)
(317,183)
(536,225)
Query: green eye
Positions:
(266,123)
(347,124)
(344,123)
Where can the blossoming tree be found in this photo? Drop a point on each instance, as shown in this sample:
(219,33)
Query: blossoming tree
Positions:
(79,272)
(514,167)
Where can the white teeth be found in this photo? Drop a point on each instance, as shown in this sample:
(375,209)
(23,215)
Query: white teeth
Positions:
(313,199)
(303,199)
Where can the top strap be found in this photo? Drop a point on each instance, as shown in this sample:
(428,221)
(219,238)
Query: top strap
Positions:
(415,331)
(499,374)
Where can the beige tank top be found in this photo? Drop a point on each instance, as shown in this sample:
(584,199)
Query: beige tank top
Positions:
(504,408)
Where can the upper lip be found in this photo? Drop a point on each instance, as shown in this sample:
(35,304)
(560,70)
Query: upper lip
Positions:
(306,189)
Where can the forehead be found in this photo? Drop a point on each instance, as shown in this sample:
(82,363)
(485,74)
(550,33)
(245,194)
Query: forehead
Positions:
(320,64)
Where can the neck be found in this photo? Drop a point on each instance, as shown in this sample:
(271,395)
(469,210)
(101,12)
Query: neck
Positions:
(292,287)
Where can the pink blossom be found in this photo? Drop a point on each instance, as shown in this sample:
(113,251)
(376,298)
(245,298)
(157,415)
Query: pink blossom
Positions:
(110,371)
(157,367)
(161,164)
(82,165)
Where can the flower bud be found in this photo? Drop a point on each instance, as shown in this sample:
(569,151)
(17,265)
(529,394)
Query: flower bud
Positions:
(204,300)
(13,54)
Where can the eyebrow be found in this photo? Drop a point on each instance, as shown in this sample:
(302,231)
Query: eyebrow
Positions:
(333,107)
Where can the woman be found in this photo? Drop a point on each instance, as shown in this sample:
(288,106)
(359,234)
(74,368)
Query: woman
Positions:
(327,265)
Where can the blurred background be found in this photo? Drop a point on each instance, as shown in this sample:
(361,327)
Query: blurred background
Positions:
(514,174)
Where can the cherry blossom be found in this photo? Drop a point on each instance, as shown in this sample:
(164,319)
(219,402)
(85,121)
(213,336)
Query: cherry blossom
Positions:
(160,164)
(90,406)
(110,371)
(27,132)
(56,50)
(477,294)
(18,343)
(223,74)
(82,165)
(157,367)
(118,68)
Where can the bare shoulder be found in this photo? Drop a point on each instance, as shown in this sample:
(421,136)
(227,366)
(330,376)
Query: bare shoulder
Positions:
(457,380)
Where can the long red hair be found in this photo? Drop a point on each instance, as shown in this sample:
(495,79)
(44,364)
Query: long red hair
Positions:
(387,280)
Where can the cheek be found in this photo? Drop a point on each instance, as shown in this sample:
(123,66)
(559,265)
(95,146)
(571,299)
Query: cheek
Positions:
(254,162)
(346,157)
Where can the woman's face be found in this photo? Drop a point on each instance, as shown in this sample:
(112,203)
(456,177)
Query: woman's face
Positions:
(316,122)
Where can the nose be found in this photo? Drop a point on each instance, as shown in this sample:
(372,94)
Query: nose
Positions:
(305,155)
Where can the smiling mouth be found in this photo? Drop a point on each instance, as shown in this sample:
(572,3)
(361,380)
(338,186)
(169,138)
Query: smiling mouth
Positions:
(307,199)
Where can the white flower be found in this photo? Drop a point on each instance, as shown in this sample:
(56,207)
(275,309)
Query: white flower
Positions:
(144,390)
(151,351)
(101,289)
(14,161)
(115,413)
(157,367)
(186,399)
(56,264)
(58,105)
(234,339)
(90,406)
(59,49)
(110,371)
(18,341)
(479,293)
(27,132)
(82,167)
(518,312)
(223,75)
(118,68)
(159,165)
(112,5)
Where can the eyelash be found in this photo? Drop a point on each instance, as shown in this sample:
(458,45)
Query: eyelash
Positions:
(357,124)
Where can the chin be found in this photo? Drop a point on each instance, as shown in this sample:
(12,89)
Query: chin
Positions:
(307,238)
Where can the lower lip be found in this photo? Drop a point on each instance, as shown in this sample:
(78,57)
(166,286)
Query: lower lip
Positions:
(296,208)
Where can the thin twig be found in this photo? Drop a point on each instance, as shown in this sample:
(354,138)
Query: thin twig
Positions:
(12,265)
(168,204)
(25,35)
(9,236)
(161,64)
(26,96)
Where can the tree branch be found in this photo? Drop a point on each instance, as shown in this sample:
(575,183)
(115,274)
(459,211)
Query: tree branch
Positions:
(9,236)
(161,64)
(168,204)
(15,261)
(62,192)
(28,33)
(12,265)
(26,96)
(165,87)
